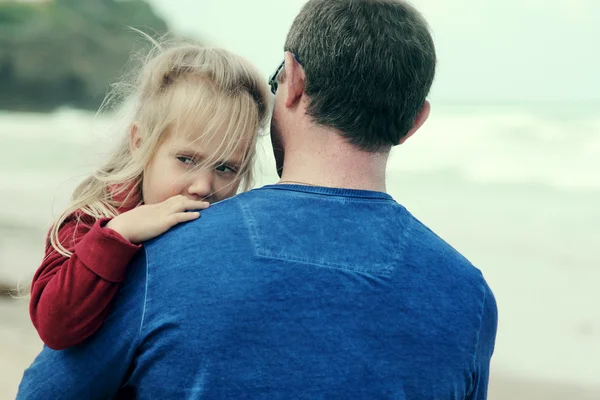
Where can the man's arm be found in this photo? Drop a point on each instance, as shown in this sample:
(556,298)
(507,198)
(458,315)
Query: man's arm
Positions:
(98,367)
(485,346)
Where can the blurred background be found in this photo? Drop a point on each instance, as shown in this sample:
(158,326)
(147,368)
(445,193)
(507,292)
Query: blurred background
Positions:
(507,169)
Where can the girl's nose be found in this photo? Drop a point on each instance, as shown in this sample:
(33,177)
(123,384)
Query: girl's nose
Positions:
(201,185)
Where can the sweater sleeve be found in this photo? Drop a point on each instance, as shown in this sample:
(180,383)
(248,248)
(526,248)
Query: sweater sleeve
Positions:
(485,346)
(97,368)
(70,296)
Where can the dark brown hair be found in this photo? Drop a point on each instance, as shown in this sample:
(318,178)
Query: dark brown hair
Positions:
(369,66)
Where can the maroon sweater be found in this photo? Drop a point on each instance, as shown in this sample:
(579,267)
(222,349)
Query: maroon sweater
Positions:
(70,297)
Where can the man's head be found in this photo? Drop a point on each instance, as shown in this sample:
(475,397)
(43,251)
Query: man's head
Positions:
(365,68)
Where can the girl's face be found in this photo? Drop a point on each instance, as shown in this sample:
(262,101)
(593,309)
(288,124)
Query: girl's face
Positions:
(177,169)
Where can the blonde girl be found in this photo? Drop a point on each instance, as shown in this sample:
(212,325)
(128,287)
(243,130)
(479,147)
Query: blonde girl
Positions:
(190,141)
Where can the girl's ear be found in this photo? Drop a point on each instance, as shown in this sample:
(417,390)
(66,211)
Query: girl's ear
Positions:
(135,139)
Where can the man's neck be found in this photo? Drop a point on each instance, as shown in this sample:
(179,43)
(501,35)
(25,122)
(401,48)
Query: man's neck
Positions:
(326,159)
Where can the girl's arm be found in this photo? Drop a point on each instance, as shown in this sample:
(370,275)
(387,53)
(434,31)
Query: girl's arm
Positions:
(70,297)
(97,368)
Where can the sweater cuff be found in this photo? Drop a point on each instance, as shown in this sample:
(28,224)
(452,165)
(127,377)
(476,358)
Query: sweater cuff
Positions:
(105,252)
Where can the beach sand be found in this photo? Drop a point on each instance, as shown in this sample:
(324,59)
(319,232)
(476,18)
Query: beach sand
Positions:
(505,388)
(19,344)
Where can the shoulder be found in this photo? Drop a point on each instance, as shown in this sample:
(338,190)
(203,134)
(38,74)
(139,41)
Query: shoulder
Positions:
(442,265)
(460,287)
(424,245)
(219,218)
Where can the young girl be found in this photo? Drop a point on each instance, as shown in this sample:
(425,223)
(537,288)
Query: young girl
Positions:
(190,142)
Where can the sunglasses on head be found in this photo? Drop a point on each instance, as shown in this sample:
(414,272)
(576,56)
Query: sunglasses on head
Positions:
(273,78)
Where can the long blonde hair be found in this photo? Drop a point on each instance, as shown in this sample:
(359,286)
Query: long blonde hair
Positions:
(179,85)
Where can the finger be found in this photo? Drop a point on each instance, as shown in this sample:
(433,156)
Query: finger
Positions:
(178,218)
(197,205)
(189,205)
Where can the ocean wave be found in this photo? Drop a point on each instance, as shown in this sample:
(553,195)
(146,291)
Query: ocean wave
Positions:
(488,146)
(516,148)
(66,125)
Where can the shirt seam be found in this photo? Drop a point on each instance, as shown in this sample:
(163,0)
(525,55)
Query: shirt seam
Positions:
(249,222)
(406,234)
(384,196)
(478,338)
(385,271)
(145,302)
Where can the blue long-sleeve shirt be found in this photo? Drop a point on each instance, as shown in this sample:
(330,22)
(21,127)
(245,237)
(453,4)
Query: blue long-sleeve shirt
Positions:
(288,292)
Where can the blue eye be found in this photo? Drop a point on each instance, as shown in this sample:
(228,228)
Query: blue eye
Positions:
(186,160)
(226,168)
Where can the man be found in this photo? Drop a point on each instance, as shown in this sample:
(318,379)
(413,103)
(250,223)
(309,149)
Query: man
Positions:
(319,287)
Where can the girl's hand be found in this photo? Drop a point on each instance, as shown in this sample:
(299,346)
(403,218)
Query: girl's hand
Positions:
(148,221)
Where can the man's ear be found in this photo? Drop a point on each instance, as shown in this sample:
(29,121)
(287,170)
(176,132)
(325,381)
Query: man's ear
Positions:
(293,79)
(135,140)
(419,121)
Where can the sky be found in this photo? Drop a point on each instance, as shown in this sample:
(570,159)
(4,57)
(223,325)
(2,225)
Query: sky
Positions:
(489,51)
